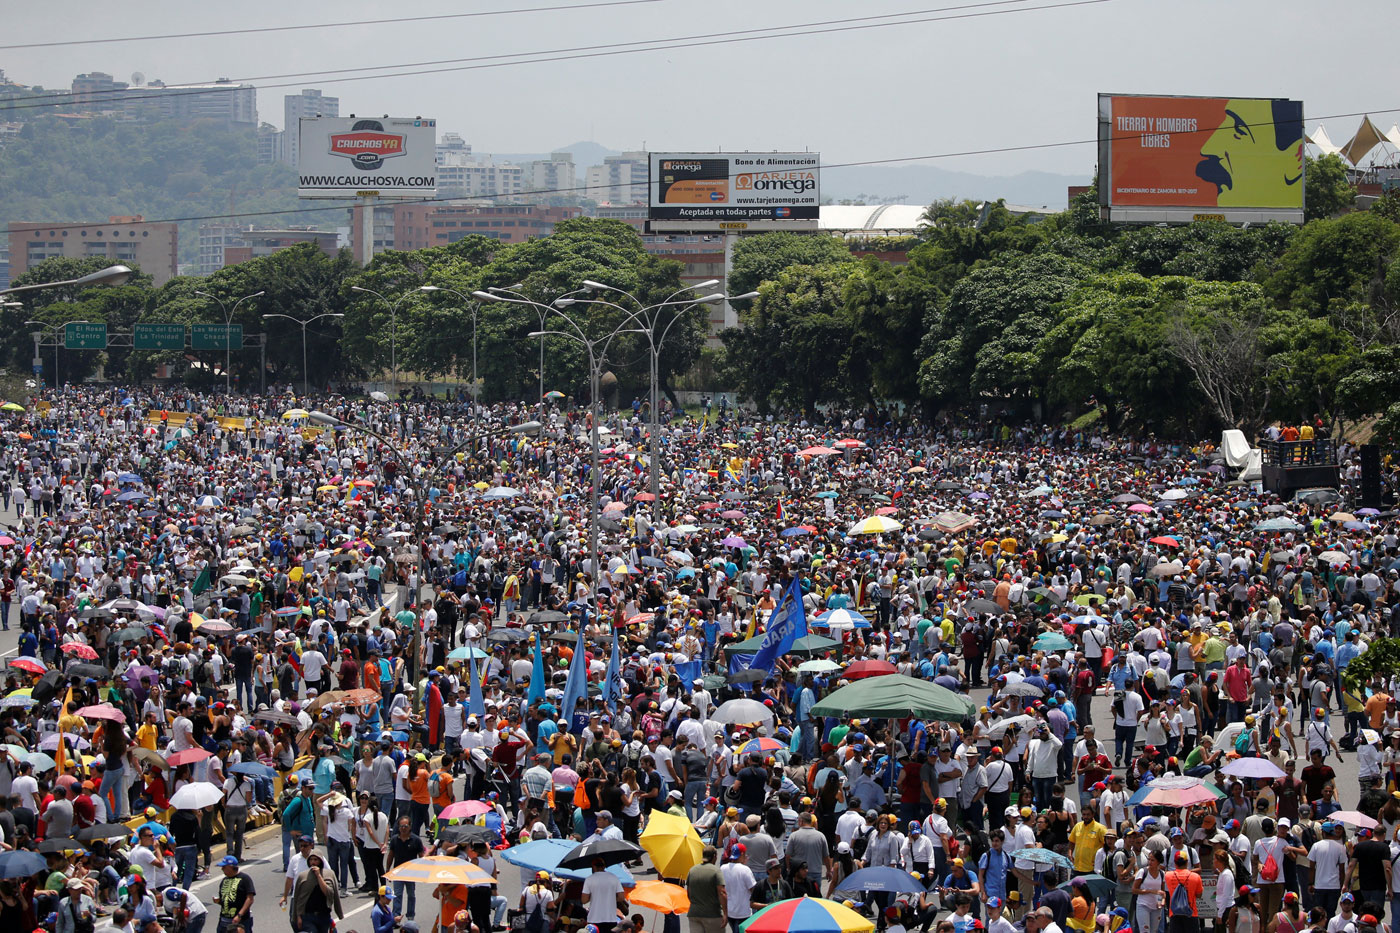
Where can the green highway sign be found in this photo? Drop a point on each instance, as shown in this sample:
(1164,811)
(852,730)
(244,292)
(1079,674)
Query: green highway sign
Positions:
(158,336)
(78,335)
(216,336)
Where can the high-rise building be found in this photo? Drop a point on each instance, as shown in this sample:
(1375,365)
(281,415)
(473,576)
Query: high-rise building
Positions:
(462,174)
(417,226)
(222,100)
(150,247)
(309,103)
(554,177)
(270,144)
(96,91)
(621,179)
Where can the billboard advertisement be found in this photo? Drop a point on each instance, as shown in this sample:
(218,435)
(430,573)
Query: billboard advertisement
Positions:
(348,157)
(734,191)
(1177,159)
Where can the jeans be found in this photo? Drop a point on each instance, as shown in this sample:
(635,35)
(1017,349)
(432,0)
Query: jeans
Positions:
(695,798)
(809,739)
(419,814)
(1124,737)
(186,861)
(411,909)
(340,855)
(243,692)
(1149,919)
(373,861)
(386,805)
(114,791)
(235,823)
(287,838)
(1041,788)
(196,924)
(315,923)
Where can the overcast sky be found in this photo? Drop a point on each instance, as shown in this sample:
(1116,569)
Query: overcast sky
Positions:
(1020,78)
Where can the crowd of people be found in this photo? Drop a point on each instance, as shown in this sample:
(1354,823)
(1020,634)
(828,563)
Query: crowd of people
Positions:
(351,629)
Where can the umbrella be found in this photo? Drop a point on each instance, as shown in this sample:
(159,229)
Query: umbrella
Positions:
(1354,818)
(1167,568)
(1099,886)
(1164,541)
(1022,689)
(22,863)
(611,851)
(953,522)
(982,605)
(868,667)
(501,492)
(467,833)
(104,831)
(884,879)
(1252,768)
(660,896)
(50,742)
(186,757)
(811,644)
(875,525)
(895,697)
(31,665)
(1333,557)
(464,809)
(281,719)
(1175,791)
(462,653)
(819,666)
(1053,641)
(194,796)
(89,670)
(61,844)
(295,414)
(545,855)
(841,619)
(41,762)
(103,711)
(761,746)
(505,635)
(742,711)
(752,675)
(554,393)
(999,728)
(733,541)
(808,915)
(673,844)
(438,869)
(253,769)
(1046,857)
(1278,524)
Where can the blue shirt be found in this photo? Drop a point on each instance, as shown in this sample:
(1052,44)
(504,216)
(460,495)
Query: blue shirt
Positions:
(382,919)
(805,701)
(1345,653)
(324,774)
(995,863)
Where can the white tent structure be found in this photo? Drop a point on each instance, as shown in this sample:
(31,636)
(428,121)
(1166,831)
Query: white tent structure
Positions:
(1240,456)
(1319,139)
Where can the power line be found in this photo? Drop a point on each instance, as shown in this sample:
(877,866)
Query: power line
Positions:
(600,51)
(363,22)
(440,199)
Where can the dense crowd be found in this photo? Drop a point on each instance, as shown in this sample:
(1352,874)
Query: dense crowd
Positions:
(231,612)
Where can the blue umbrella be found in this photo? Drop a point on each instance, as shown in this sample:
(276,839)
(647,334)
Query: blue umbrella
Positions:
(128,478)
(828,494)
(253,769)
(462,653)
(132,495)
(888,880)
(794,531)
(546,854)
(1045,857)
(684,573)
(21,864)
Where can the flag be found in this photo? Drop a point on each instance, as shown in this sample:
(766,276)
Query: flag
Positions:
(779,513)
(612,679)
(787,624)
(476,704)
(202,582)
(60,756)
(753,625)
(577,685)
(537,672)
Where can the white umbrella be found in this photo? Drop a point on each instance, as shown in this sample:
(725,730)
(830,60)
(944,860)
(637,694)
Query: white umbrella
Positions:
(818,666)
(742,711)
(196,796)
(998,729)
(841,619)
(1333,557)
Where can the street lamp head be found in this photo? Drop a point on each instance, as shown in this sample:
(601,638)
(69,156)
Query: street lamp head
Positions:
(112,275)
(525,428)
(321,417)
(597,286)
(356,288)
(564,302)
(708,283)
(538,333)
(256,294)
(429,288)
(485,296)
(712,300)
(744,297)
(202,294)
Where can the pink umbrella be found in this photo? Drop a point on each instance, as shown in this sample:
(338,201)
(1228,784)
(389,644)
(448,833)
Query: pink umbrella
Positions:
(732,514)
(1140,507)
(1180,796)
(817,451)
(849,442)
(6,541)
(102,711)
(187,757)
(86,652)
(465,809)
(1354,818)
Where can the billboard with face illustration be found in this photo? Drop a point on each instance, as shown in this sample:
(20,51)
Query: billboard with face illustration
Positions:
(1177,159)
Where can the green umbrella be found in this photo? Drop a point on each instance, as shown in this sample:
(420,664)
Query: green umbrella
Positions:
(811,644)
(1053,641)
(896,696)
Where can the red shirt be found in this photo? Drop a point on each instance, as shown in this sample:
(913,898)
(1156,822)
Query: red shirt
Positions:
(1093,768)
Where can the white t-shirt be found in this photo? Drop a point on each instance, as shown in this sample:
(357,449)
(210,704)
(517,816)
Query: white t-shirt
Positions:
(1132,709)
(602,889)
(1152,900)
(738,883)
(1329,861)
(1269,845)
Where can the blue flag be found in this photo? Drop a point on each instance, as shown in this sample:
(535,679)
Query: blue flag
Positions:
(577,684)
(476,703)
(787,624)
(537,672)
(612,680)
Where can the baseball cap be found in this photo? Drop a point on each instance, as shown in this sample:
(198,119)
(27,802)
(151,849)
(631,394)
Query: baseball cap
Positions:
(1348,896)
(993,903)
(228,861)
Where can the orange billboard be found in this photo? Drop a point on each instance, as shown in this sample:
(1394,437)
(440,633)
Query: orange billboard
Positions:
(1212,154)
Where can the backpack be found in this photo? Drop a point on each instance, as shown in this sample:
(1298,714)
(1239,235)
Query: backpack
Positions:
(1180,904)
(435,784)
(1268,872)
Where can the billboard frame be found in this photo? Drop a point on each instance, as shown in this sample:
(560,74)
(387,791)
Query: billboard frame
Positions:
(1176,214)
(733,215)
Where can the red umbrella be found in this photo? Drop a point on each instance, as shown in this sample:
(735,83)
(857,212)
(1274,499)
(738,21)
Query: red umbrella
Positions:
(886,510)
(103,711)
(1165,541)
(32,665)
(87,652)
(187,757)
(644,497)
(706,506)
(639,618)
(869,668)
(849,442)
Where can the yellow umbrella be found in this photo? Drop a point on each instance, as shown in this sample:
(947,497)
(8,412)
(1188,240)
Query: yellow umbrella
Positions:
(482,486)
(328,488)
(875,525)
(12,406)
(295,414)
(673,844)
(439,869)
(196,620)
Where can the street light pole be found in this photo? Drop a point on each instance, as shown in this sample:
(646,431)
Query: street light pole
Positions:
(55,328)
(228,324)
(393,329)
(305,377)
(420,519)
(475,307)
(112,275)
(512,295)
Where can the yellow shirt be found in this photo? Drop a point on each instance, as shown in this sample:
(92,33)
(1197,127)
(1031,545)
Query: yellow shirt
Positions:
(146,736)
(1087,839)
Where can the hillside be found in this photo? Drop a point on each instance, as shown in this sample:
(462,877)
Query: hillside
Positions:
(88,170)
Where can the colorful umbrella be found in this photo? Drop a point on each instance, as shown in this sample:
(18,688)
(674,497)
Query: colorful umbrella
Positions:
(875,525)
(438,869)
(32,665)
(761,746)
(807,915)
(86,652)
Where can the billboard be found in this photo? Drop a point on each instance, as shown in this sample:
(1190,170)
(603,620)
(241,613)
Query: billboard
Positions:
(1178,159)
(348,157)
(734,191)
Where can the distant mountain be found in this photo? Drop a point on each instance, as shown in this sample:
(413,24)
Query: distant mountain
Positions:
(923,184)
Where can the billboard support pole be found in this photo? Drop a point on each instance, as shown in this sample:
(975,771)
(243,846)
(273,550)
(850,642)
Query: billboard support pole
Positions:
(726,311)
(262,363)
(367,227)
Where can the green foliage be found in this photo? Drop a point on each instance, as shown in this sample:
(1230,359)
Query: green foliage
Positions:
(1204,250)
(1345,259)
(761,258)
(86,170)
(1381,657)
(1327,192)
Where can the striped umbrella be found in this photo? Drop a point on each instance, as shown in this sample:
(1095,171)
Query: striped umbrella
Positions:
(807,915)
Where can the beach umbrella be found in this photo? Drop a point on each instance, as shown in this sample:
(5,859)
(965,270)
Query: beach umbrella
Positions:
(660,896)
(807,915)
(438,869)
(545,855)
(761,746)
(194,796)
(895,697)
(841,619)
(673,844)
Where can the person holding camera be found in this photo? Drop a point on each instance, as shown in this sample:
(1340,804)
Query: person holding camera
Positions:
(317,897)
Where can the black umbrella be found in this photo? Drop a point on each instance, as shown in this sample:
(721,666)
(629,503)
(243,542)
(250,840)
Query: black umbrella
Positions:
(547,617)
(505,636)
(467,832)
(88,670)
(127,634)
(104,831)
(272,716)
(607,524)
(610,851)
(564,636)
(947,484)
(749,676)
(1023,689)
(983,605)
(60,845)
(930,534)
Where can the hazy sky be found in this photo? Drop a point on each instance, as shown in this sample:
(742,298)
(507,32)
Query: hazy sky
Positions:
(1020,78)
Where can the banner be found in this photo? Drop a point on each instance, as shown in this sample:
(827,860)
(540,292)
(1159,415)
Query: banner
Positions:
(576,687)
(536,691)
(476,703)
(786,624)
(612,679)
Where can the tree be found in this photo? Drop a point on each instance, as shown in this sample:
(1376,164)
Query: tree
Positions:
(1327,192)
(1342,259)
(1215,332)
(761,258)
(1372,387)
